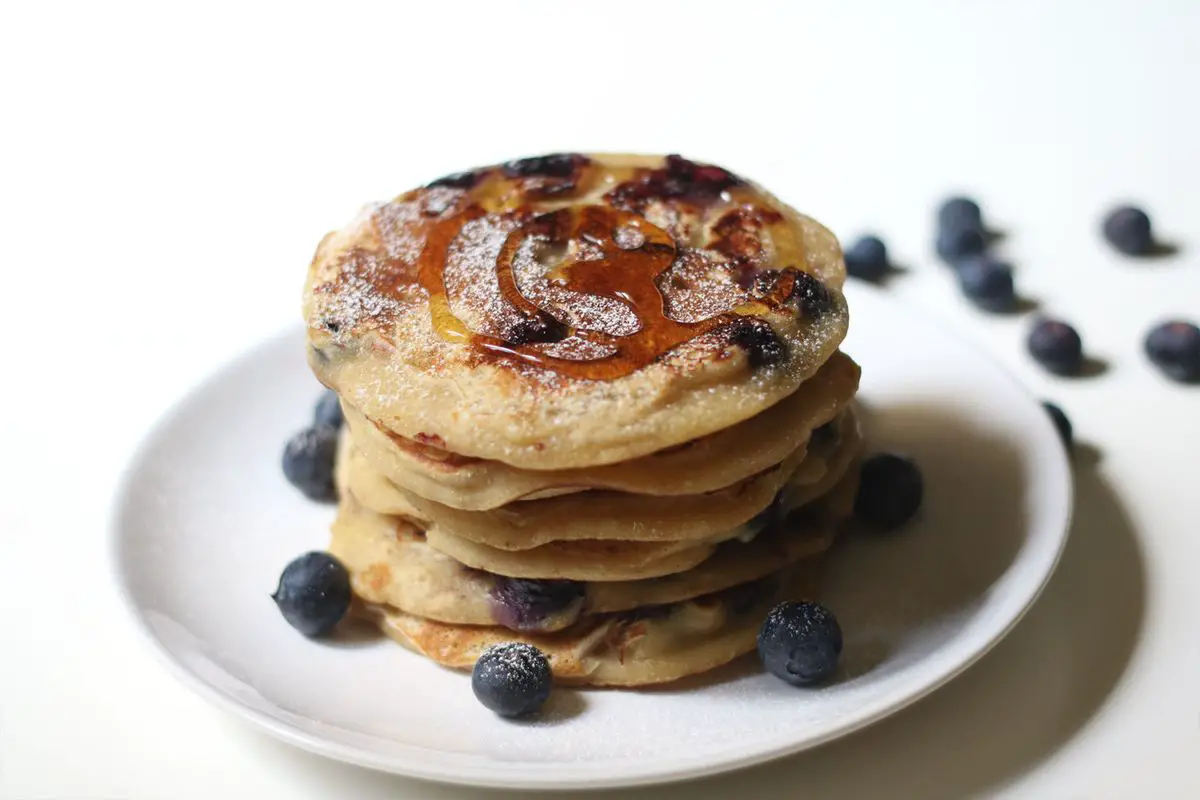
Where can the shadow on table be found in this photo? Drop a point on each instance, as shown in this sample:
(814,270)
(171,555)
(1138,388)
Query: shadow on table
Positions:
(999,720)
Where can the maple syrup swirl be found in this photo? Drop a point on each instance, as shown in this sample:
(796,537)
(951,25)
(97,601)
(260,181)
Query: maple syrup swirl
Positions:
(607,248)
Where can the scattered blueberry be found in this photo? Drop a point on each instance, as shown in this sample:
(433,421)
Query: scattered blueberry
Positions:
(987,283)
(955,244)
(1056,346)
(308,462)
(1174,347)
(800,642)
(890,490)
(525,605)
(313,593)
(1128,230)
(1059,417)
(513,679)
(959,213)
(328,411)
(867,258)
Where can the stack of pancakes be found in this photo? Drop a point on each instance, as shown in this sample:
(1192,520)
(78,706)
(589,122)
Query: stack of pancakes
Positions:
(595,403)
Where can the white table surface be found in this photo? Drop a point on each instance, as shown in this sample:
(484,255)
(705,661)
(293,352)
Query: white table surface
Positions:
(166,171)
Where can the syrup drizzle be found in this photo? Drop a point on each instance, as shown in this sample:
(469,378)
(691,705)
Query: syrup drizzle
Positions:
(632,255)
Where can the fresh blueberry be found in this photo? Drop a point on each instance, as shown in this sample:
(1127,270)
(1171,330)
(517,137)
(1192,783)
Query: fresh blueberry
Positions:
(987,283)
(308,462)
(1128,230)
(956,243)
(513,679)
(1056,346)
(800,642)
(1174,347)
(958,213)
(1059,417)
(867,258)
(313,593)
(525,605)
(328,411)
(890,490)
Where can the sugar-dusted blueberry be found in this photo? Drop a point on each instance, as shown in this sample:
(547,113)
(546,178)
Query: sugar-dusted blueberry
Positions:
(308,462)
(866,258)
(527,605)
(1065,430)
(959,212)
(810,294)
(512,679)
(1056,346)
(890,490)
(800,642)
(1128,230)
(328,411)
(538,329)
(955,244)
(987,283)
(313,593)
(1174,347)
(763,346)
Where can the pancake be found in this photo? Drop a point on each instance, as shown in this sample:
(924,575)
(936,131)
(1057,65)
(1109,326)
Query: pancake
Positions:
(640,648)
(571,311)
(703,465)
(391,564)
(592,560)
(603,515)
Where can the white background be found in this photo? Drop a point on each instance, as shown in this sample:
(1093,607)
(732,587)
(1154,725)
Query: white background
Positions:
(166,171)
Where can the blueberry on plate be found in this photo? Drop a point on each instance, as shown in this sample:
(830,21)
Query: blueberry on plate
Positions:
(1056,346)
(955,244)
(512,679)
(1128,230)
(329,410)
(866,258)
(313,593)
(890,490)
(308,462)
(987,283)
(800,642)
(1065,430)
(1174,347)
(959,212)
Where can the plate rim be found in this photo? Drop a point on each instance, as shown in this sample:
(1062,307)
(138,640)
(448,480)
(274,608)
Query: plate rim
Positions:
(607,774)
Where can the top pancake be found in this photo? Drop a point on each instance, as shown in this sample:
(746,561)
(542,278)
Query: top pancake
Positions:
(569,311)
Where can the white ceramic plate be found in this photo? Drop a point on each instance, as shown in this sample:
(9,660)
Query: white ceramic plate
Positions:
(205,522)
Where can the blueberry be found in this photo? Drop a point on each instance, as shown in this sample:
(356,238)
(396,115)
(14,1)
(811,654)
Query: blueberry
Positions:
(987,283)
(513,679)
(328,411)
(1174,347)
(957,243)
(800,642)
(1059,417)
(867,258)
(959,212)
(313,593)
(890,490)
(1056,346)
(763,346)
(524,605)
(1128,230)
(308,462)
(810,295)
(539,328)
